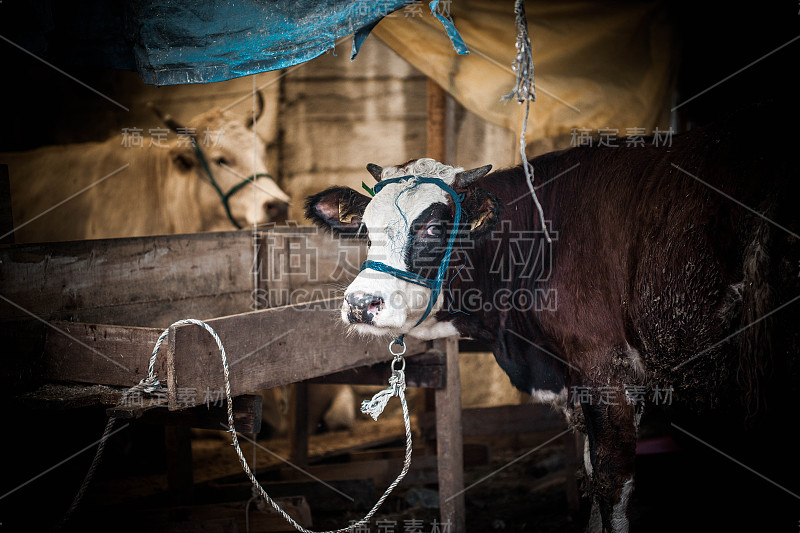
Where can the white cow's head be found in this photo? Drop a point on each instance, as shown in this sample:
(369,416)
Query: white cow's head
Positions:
(408,225)
(233,154)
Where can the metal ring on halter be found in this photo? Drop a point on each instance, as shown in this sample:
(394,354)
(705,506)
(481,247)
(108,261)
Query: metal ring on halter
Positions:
(402,360)
(401,343)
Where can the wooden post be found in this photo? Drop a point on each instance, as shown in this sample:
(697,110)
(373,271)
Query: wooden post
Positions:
(449,440)
(298,424)
(436,122)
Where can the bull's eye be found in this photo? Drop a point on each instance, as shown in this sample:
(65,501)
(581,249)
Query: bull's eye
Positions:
(432,230)
(222,161)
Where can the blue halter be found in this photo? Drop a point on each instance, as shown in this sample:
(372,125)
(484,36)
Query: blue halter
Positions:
(435,285)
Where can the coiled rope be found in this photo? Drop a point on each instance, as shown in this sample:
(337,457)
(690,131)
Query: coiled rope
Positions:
(374,407)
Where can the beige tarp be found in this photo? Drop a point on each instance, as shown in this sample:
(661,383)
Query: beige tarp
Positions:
(598,65)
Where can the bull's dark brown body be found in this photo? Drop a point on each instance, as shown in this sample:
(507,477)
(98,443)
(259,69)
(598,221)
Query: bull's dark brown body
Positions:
(659,255)
(674,265)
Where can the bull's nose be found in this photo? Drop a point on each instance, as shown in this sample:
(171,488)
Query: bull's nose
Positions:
(277,211)
(363,307)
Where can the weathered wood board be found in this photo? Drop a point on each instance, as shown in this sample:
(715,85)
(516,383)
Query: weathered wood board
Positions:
(264,348)
(429,371)
(300,264)
(141,281)
(100,354)
(269,348)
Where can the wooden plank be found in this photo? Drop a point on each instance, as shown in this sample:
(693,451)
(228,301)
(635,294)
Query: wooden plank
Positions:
(426,370)
(60,396)
(265,349)
(298,424)
(212,415)
(300,264)
(6,218)
(100,354)
(449,441)
(201,275)
(269,348)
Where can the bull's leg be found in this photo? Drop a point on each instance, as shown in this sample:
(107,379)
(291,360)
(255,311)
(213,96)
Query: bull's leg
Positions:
(611,436)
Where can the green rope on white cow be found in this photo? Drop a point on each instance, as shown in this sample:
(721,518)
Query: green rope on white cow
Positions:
(225,197)
(374,407)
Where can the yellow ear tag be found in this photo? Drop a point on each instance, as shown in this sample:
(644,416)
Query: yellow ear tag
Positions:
(478,222)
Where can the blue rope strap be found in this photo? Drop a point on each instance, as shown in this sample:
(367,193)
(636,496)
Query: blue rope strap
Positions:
(435,285)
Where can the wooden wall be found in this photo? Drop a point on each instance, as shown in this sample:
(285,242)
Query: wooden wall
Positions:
(324,120)
(336,116)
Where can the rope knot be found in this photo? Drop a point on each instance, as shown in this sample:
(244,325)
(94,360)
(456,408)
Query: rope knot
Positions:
(150,384)
(397,387)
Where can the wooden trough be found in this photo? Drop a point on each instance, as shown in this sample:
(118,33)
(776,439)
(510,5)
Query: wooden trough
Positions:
(90,312)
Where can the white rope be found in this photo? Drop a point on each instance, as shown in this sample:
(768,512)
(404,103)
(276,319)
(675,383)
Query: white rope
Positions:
(397,386)
(525,91)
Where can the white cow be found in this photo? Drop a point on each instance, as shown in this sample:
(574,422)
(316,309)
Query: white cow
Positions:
(133,185)
(144,185)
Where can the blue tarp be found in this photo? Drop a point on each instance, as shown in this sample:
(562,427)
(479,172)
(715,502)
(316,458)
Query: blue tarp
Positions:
(180,41)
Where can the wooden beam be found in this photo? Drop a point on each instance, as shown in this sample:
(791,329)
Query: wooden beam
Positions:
(299,264)
(427,370)
(265,349)
(298,424)
(61,396)
(140,281)
(99,354)
(213,415)
(268,348)
(449,440)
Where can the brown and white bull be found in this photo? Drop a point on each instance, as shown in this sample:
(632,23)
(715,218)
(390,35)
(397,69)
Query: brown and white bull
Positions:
(657,276)
(152,186)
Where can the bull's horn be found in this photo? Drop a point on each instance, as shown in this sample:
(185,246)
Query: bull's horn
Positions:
(467,177)
(258,112)
(375,170)
(166,118)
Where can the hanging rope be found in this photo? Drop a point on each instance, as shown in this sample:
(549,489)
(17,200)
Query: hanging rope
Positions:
(397,387)
(524,91)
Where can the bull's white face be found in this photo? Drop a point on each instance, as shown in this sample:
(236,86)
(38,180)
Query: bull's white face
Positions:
(408,225)
(400,220)
(233,154)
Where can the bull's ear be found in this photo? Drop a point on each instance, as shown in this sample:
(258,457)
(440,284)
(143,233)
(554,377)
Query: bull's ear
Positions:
(482,210)
(340,209)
